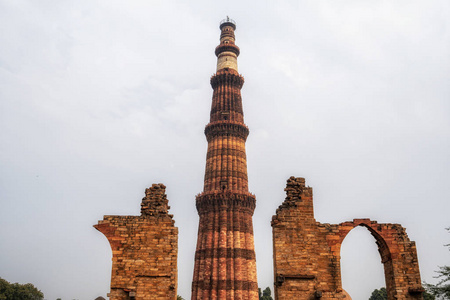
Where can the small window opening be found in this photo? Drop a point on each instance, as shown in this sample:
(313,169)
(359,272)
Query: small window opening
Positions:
(223,184)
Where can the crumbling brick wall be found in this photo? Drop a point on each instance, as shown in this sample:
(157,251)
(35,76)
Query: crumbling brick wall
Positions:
(307,253)
(144,250)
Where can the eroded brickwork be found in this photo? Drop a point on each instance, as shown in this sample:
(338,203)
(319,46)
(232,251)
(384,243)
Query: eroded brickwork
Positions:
(144,250)
(307,253)
(225,264)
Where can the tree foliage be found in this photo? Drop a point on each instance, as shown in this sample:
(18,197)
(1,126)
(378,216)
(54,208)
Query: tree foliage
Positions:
(428,296)
(442,289)
(266,294)
(179,297)
(16,291)
(380,294)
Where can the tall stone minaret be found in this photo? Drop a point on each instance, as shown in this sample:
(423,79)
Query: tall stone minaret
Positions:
(225,264)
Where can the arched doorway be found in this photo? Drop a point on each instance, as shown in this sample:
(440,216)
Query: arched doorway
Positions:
(361,267)
(398,256)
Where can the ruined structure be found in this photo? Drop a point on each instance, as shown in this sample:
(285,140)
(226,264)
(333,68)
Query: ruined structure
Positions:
(307,253)
(144,250)
(225,264)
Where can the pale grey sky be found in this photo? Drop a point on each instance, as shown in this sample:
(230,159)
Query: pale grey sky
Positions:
(100,99)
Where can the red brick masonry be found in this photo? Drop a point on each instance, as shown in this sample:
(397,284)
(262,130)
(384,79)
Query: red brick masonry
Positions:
(307,253)
(144,250)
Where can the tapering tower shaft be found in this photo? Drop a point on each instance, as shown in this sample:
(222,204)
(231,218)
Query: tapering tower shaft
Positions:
(225,264)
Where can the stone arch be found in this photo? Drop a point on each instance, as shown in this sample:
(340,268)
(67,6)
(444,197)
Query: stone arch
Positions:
(383,247)
(397,252)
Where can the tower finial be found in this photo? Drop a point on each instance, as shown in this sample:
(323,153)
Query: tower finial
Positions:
(228,22)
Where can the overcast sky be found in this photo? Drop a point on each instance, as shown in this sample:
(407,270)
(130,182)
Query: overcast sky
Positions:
(100,99)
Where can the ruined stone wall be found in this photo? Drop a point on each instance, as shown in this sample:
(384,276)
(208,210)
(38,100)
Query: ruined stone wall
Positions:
(307,253)
(144,250)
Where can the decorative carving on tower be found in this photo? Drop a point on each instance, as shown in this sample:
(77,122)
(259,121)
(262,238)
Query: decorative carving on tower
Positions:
(225,264)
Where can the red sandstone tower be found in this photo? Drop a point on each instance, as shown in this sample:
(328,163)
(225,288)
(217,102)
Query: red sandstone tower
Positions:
(225,264)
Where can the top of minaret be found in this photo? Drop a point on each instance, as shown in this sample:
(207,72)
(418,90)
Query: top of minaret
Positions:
(227,51)
(227,22)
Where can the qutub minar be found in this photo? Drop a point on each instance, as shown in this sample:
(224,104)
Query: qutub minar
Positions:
(306,253)
(225,264)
